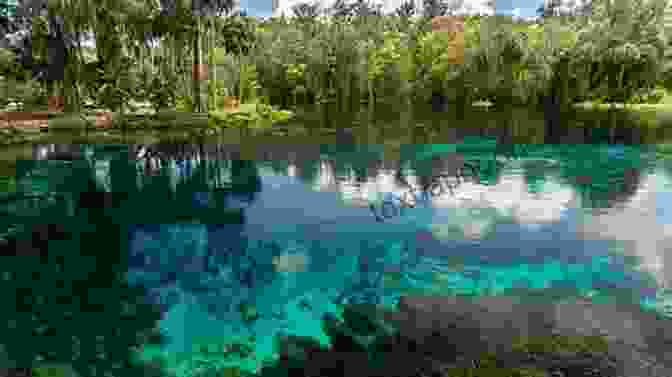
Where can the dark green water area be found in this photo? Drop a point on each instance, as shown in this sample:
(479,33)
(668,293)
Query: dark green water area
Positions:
(128,253)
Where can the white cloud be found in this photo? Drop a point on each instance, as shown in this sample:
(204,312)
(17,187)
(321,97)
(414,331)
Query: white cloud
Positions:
(638,227)
(469,6)
(507,199)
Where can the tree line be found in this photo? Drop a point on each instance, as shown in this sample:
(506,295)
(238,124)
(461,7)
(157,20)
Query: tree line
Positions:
(606,51)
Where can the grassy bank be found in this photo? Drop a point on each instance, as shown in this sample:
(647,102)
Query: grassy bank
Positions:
(664,105)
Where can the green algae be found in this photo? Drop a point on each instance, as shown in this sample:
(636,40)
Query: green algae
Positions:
(54,370)
(495,372)
(220,372)
(561,343)
(491,365)
(392,280)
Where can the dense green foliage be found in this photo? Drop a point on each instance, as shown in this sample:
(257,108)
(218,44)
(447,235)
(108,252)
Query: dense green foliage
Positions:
(608,57)
(143,52)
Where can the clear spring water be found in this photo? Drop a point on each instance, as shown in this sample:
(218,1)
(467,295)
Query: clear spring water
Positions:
(532,227)
(324,228)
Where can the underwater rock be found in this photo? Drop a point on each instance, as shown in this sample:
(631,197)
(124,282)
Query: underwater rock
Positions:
(304,357)
(471,327)
(342,338)
(361,330)
(295,262)
(365,319)
(292,347)
(435,334)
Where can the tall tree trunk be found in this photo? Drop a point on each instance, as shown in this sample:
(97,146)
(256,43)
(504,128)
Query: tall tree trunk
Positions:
(213,64)
(203,51)
(176,65)
(196,84)
(71,99)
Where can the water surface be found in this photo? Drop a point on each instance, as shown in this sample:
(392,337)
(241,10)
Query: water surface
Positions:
(246,238)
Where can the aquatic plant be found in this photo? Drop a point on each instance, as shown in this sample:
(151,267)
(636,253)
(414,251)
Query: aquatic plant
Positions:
(54,370)
(663,151)
(217,371)
(217,357)
(239,349)
(229,372)
(360,319)
(248,312)
(296,348)
(392,280)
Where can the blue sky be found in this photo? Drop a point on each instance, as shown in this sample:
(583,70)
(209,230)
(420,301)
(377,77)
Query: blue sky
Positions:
(257,7)
(525,7)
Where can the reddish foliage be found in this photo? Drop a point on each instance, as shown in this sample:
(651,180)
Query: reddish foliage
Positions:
(56,104)
(23,119)
(200,72)
(450,24)
(104,119)
(455,26)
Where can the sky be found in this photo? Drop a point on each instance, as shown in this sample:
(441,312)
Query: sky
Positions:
(523,8)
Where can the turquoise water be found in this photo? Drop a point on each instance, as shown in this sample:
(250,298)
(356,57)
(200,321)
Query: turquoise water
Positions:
(234,250)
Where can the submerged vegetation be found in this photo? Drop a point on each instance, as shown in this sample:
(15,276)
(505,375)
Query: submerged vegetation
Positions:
(360,337)
(365,345)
